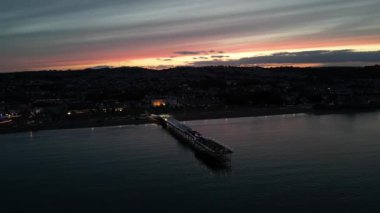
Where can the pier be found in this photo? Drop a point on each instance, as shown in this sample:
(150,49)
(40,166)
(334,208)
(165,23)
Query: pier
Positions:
(202,145)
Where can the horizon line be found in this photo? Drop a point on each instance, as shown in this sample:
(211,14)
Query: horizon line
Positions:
(188,66)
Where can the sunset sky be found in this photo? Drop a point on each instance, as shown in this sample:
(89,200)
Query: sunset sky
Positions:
(69,34)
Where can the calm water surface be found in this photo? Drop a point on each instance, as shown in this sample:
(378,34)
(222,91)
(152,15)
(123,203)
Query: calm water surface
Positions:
(292,163)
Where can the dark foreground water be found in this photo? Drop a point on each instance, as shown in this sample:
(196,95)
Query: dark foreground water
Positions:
(299,163)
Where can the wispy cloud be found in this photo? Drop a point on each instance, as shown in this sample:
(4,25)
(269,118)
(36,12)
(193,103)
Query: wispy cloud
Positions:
(165,59)
(220,56)
(200,52)
(190,52)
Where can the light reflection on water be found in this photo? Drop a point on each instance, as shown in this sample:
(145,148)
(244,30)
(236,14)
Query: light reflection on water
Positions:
(298,163)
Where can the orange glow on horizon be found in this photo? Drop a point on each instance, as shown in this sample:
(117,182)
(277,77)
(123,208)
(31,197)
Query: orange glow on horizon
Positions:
(232,52)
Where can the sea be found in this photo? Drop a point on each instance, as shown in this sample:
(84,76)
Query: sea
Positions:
(282,163)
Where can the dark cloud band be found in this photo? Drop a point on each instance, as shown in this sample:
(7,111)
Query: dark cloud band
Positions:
(304,57)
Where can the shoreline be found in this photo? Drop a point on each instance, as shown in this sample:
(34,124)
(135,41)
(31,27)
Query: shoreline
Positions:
(181,116)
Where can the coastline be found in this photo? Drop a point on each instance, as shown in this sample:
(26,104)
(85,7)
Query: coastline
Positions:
(182,116)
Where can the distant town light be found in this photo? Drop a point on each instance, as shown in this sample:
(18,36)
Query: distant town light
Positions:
(68,113)
(119,109)
(158,103)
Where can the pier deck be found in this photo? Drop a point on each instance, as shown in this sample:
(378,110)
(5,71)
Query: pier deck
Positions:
(198,142)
